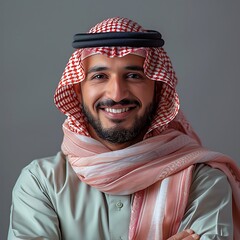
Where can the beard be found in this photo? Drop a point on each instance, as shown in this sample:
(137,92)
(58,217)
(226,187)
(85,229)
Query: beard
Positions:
(119,134)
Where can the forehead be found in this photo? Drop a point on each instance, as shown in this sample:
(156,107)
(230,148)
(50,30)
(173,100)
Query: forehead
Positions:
(114,62)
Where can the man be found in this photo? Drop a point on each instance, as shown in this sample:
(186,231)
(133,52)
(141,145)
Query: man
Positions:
(130,165)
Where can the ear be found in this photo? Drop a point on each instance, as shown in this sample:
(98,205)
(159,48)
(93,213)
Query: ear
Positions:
(77,90)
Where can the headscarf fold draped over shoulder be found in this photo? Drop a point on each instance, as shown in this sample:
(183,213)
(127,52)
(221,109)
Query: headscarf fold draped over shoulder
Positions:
(167,154)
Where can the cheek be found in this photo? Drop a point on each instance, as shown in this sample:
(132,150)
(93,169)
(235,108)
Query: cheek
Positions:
(89,95)
(146,94)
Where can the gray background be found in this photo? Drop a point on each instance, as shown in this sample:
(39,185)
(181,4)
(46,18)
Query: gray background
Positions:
(202,39)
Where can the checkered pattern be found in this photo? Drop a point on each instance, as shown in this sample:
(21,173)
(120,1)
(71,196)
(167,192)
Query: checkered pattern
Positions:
(157,66)
(117,25)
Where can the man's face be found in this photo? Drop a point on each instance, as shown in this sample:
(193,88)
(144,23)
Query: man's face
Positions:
(117,98)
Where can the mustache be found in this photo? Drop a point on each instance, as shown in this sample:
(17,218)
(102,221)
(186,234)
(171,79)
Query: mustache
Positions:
(111,103)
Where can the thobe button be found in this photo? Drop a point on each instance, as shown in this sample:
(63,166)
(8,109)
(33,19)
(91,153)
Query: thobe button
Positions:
(119,204)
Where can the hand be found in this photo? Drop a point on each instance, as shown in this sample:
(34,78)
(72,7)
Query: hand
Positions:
(187,234)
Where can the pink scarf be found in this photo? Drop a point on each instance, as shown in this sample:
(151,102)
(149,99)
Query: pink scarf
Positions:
(158,171)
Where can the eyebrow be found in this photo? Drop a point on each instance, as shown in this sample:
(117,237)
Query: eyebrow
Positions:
(134,68)
(98,68)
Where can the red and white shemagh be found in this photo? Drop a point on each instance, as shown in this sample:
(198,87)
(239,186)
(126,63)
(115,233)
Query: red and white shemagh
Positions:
(158,170)
(157,67)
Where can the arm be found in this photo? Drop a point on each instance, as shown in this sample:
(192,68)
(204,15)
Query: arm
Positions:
(209,211)
(32,213)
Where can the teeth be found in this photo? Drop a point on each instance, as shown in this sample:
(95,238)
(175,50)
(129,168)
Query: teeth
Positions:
(113,110)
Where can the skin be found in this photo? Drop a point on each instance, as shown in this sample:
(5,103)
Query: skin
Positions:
(187,234)
(117,79)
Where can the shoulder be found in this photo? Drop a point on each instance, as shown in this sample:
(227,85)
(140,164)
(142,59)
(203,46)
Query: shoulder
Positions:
(47,166)
(47,163)
(205,176)
(49,173)
(210,183)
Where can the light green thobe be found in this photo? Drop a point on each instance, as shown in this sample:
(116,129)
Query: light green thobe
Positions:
(50,202)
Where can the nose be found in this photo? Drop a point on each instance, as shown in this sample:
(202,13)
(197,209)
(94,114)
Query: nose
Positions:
(117,88)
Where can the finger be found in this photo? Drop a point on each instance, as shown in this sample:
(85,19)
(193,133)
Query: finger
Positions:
(187,234)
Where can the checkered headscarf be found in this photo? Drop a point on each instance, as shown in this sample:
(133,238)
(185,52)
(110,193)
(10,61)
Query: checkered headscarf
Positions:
(157,67)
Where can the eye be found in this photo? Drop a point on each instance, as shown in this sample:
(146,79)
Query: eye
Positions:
(134,76)
(99,76)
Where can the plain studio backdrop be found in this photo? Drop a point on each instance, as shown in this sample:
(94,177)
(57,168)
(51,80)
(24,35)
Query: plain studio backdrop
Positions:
(202,40)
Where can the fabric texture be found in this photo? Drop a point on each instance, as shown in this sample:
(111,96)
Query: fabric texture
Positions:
(165,158)
(51,187)
(158,170)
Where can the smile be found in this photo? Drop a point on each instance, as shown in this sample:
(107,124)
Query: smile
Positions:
(116,110)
